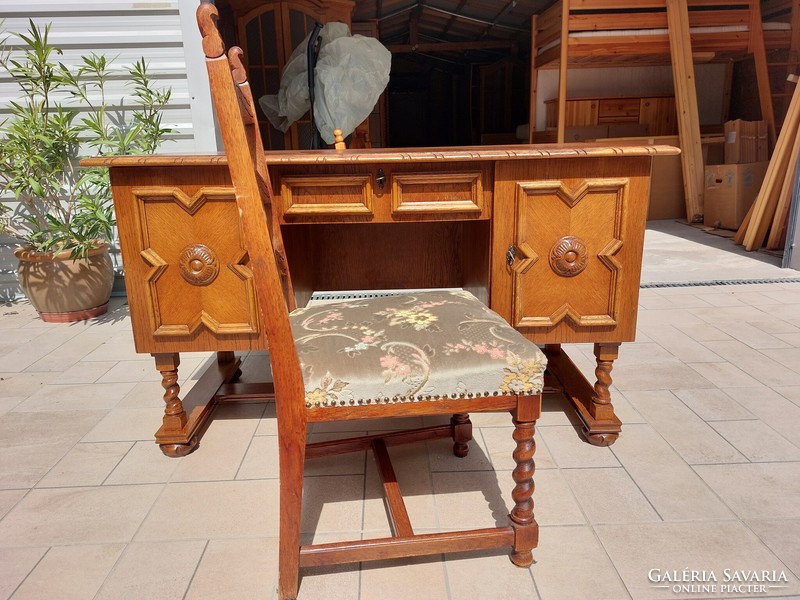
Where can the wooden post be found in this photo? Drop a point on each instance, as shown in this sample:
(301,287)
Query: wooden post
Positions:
(759,52)
(767,199)
(680,45)
(534,80)
(562,71)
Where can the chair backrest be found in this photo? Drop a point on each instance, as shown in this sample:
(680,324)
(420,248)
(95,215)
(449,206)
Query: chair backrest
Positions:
(233,103)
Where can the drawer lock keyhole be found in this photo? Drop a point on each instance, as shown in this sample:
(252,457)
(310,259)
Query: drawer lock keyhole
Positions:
(380,179)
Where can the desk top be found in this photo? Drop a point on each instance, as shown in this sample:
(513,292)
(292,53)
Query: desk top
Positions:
(396,155)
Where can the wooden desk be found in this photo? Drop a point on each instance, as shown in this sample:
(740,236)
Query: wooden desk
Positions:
(548,236)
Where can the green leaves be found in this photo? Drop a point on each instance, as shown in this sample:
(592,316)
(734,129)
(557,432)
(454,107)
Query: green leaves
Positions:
(61,205)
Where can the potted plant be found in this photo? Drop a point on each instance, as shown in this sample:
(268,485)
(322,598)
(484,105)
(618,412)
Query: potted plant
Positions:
(62,214)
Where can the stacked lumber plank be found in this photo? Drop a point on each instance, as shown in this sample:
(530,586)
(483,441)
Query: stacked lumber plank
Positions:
(766,222)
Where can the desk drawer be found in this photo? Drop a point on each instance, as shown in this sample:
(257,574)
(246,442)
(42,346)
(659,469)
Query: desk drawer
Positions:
(326,196)
(429,193)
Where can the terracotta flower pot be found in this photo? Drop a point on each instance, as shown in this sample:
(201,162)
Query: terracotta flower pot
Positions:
(62,289)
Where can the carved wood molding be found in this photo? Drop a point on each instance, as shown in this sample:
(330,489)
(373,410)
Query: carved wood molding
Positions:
(198,264)
(568,257)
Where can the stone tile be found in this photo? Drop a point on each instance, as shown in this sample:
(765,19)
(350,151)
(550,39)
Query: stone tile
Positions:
(756,490)
(488,575)
(755,363)
(724,374)
(556,410)
(143,572)
(27,354)
(86,465)
(145,394)
(132,371)
(559,570)
(772,408)
(22,384)
(757,441)
(483,499)
(790,296)
(70,572)
(413,473)
(674,316)
(223,444)
(144,463)
(609,496)
(782,536)
(791,392)
(351,463)
(68,353)
(672,487)
(15,564)
(239,569)
(332,504)
(720,298)
(703,546)
(776,327)
(751,335)
(213,510)
(268,424)
(441,457)
(703,332)
(789,357)
(115,349)
(735,314)
(680,345)
(570,450)
(31,443)
(793,339)
(641,353)
(500,446)
(9,498)
(261,459)
(713,405)
(126,424)
(338,582)
(422,577)
(85,372)
(96,396)
(667,375)
(9,403)
(688,434)
(85,515)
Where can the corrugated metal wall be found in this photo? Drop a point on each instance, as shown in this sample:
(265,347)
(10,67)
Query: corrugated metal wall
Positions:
(120,29)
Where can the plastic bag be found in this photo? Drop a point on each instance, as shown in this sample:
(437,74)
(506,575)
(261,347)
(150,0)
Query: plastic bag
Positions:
(351,73)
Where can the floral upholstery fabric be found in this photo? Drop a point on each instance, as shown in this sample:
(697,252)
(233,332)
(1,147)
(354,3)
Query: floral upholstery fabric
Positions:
(412,347)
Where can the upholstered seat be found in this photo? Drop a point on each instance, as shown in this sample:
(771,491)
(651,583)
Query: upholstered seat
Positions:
(411,347)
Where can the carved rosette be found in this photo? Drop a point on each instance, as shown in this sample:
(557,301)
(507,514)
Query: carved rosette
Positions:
(198,264)
(568,256)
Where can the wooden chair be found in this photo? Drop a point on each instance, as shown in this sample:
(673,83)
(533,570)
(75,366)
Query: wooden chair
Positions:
(429,353)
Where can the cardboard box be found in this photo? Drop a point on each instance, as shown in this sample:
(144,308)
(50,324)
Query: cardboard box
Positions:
(745,142)
(730,191)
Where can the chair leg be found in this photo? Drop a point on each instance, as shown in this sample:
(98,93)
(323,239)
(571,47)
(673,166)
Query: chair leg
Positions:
(461,432)
(292,458)
(525,526)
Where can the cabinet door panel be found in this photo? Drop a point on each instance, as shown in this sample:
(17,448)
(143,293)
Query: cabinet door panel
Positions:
(576,237)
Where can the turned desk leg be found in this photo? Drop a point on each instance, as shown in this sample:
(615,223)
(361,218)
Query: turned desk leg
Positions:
(184,418)
(592,402)
(175,419)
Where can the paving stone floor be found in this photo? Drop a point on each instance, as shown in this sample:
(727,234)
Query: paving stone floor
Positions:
(705,477)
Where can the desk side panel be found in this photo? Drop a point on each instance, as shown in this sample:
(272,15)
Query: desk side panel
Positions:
(189,287)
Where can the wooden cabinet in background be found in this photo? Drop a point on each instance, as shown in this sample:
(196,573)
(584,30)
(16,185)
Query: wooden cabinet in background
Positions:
(657,113)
